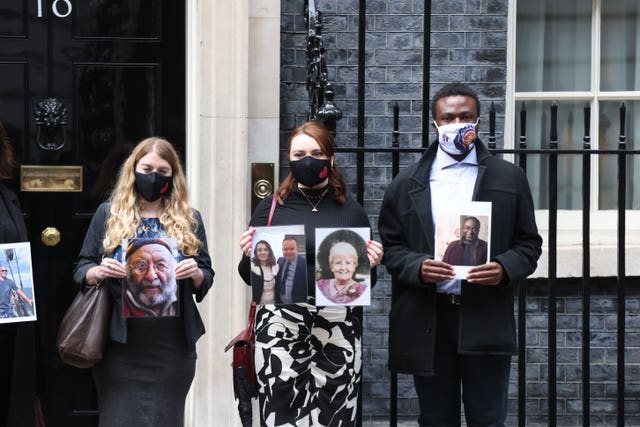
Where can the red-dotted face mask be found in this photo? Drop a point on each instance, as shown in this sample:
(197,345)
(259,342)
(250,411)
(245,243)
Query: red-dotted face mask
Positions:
(152,186)
(310,171)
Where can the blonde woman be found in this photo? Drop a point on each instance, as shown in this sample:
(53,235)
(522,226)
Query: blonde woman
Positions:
(149,363)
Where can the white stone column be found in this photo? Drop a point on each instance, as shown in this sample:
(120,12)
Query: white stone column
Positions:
(233,68)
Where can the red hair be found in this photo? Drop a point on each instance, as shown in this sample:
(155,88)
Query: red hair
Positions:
(323,137)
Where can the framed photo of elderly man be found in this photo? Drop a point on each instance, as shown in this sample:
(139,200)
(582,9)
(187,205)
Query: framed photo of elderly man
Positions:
(343,271)
(279,265)
(150,288)
(463,236)
(17,296)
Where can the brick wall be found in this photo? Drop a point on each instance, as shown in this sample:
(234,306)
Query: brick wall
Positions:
(468,43)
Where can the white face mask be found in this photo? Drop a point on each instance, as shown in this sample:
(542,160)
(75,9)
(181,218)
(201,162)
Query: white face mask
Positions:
(457,138)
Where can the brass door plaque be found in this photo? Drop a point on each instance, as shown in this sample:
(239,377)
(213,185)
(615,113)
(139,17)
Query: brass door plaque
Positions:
(261,182)
(62,179)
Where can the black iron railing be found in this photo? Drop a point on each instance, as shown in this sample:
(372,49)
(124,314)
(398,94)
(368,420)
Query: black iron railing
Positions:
(321,105)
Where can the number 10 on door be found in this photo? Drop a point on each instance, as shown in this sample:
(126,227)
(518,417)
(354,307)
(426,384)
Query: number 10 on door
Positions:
(60,8)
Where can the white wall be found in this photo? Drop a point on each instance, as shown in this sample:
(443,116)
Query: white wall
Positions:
(233,66)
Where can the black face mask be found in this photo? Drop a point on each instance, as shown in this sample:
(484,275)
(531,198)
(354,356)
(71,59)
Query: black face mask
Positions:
(152,186)
(310,171)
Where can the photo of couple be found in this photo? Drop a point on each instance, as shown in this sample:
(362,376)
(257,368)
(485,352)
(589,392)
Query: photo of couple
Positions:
(279,266)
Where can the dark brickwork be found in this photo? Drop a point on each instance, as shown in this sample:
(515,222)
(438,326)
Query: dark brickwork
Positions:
(468,43)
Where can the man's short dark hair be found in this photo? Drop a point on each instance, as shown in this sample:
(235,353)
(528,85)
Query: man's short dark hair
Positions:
(474,219)
(453,89)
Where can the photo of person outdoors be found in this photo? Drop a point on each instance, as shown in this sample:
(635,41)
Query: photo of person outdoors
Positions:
(469,249)
(148,364)
(150,288)
(308,358)
(17,301)
(9,291)
(264,272)
(342,269)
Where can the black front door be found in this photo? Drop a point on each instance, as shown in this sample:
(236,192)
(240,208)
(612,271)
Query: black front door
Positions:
(80,83)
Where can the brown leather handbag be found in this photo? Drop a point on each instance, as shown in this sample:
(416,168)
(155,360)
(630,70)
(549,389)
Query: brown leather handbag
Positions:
(83,332)
(244,371)
(245,386)
(243,344)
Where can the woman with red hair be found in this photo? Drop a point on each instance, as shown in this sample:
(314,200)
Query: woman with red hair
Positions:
(308,358)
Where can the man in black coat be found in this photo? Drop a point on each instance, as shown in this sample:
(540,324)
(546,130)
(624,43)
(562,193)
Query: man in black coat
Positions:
(451,334)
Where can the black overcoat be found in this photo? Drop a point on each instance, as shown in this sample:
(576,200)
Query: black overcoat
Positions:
(487,323)
(19,340)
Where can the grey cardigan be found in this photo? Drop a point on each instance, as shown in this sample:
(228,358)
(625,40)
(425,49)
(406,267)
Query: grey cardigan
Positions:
(92,253)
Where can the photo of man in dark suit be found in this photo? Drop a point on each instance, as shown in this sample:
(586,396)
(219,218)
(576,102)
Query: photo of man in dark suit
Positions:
(292,274)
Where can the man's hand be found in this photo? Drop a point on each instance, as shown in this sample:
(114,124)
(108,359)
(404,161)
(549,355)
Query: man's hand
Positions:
(433,271)
(486,274)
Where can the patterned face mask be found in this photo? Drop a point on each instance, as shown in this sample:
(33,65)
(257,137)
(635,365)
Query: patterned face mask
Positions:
(457,138)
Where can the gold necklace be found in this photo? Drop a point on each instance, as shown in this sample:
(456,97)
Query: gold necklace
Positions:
(314,207)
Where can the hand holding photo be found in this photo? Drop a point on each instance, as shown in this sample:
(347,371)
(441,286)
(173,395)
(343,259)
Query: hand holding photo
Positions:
(343,272)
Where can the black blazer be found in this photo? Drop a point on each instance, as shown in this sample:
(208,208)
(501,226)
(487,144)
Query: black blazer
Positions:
(487,323)
(91,255)
(299,291)
(257,286)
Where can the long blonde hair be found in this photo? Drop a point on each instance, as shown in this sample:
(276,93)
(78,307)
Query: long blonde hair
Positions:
(175,210)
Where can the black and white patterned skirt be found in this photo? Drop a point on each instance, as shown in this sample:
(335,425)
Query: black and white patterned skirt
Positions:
(308,364)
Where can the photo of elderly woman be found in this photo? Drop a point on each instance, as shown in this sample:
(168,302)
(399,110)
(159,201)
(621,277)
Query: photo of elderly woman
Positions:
(342,267)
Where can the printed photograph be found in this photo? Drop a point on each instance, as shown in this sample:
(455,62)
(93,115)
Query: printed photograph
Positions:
(279,265)
(17,296)
(150,288)
(463,234)
(343,271)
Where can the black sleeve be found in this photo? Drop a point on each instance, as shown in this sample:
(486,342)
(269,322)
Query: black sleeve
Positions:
(203,259)
(92,252)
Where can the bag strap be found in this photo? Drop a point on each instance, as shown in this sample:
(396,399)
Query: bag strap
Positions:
(274,202)
(252,320)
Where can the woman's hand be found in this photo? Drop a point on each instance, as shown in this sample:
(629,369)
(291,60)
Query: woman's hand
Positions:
(108,267)
(188,269)
(246,241)
(374,252)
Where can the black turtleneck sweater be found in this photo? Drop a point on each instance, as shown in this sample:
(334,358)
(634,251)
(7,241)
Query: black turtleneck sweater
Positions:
(297,210)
